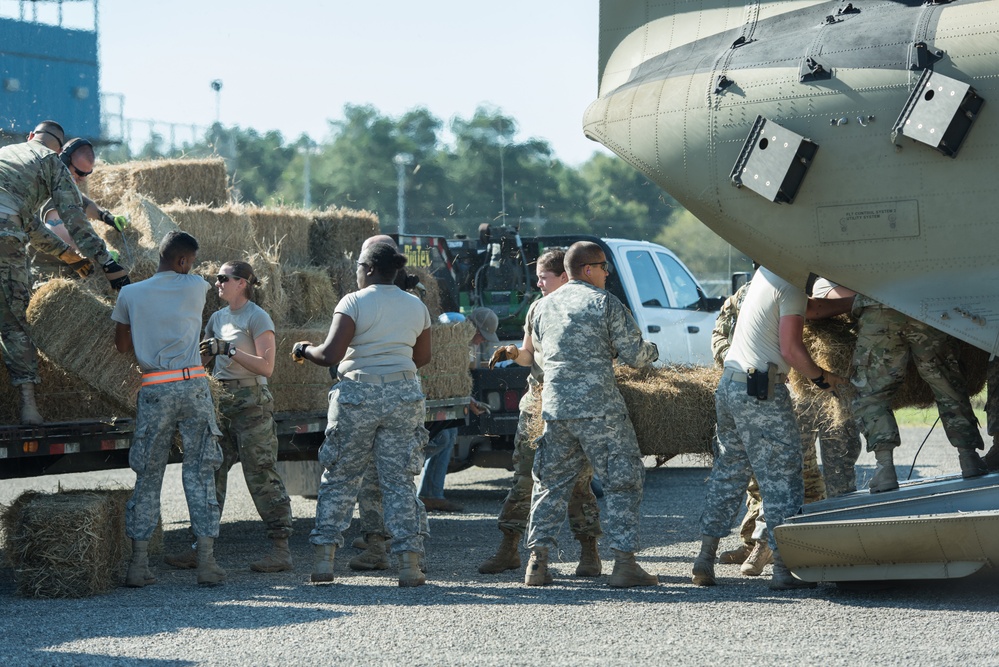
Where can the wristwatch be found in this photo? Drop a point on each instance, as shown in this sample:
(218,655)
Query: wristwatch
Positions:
(232,351)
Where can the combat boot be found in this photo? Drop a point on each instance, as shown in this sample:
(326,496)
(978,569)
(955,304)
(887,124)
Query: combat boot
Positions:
(374,557)
(884,475)
(627,573)
(703,572)
(29,410)
(972,464)
(138,574)
(589,557)
(783,580)
(507,557)
(359,543)
(322,565)
(185,560)
(736,556)
(209,573)
(537,573)
(410,574)
(760,558)
(278,560)
(992,457)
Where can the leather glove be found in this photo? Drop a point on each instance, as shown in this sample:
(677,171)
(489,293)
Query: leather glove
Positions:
(119,222)
(298,352)
(83,267)
(213,347)
(503,354)
(116,275)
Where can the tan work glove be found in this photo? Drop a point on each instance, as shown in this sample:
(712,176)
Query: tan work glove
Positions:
(298,352)
(83,266)
(503,353)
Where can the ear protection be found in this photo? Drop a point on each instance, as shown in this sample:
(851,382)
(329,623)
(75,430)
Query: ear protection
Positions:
(71,147)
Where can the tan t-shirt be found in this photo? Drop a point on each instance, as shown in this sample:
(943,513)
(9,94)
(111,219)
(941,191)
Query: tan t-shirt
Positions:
(757,335)
(241,326)
(387,322)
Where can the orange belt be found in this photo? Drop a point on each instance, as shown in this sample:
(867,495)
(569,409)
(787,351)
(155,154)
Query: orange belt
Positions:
(161,377)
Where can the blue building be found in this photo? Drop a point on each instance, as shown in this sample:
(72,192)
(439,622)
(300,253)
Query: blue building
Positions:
(48,72)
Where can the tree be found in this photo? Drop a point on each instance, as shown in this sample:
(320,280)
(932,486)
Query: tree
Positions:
(708,255)
(622,202)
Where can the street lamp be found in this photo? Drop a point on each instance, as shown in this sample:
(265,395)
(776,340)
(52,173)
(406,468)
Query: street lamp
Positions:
(401,161)
(217,87)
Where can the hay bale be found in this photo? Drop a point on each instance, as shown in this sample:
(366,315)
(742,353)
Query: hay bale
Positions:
(310,295)
(672,408)
(74,326)
(270,292)
(432,297)
(148,225)
(163,181)
(299,387)
(223,233)
(447,374)
(61,397)
(336,233)
(343,276)
(284,232)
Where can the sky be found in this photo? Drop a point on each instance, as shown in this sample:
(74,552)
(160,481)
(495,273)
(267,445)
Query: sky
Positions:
(292,66)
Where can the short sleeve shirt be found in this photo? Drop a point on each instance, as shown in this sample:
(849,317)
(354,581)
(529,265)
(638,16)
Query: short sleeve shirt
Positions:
(387,322)
(241,326)
(756,342)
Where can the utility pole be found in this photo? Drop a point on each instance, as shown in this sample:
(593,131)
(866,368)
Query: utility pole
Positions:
(401,161)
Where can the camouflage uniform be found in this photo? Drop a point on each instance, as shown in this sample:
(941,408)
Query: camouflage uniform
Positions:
(583,329)
(163,408)
(840,447)
(250,436)
(30,174)
(992,400)
(885,342)
(369,507)
(383,422)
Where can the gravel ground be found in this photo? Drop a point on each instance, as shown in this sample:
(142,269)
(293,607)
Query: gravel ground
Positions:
(462,617)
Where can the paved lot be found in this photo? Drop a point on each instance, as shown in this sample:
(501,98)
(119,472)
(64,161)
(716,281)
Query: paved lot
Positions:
(462,617)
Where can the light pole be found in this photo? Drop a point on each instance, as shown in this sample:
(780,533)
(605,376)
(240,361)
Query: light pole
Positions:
(217,87)
(401,161)
(307,172)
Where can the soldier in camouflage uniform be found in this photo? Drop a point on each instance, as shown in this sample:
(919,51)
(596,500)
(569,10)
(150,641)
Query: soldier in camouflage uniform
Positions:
(379,336)
(584,513)
(30,174)
(160,319)
(583,329)
(761,437)
(992,414)
(885,342)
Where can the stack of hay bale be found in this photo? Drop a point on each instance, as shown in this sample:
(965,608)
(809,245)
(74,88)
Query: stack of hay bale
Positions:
(305,260)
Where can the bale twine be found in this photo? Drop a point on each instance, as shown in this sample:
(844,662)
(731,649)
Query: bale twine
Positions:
(447,375)
(432,297)
(73,327)
(71,543)
(339,232)
(163,181)
(223,233)
(672,408)
(299,387)
(310,295)
(283,231)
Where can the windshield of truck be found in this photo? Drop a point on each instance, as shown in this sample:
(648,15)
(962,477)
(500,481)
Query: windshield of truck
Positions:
(651,292)
(684,287)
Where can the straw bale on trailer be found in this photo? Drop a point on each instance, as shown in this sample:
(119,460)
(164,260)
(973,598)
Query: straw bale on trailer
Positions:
(270,292)
(163,181)
(73,327)
(224,234)
(299,387)
(447,374)
(148,224)
(285,231)
(310,295)
(339,232)
(61,397)
(672,408)
(432,297)
(343,276)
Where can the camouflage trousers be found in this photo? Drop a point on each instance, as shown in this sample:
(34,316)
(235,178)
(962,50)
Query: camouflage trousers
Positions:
(369,507)
(608,444)
(372,422)
(886,341)
(184,406)
(840,447)
(992,402)
(18,351)
(753,437)
(250,437)
(584,513)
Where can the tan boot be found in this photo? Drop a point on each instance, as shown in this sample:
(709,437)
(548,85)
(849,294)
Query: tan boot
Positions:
(138,574)
(185,560)
(627,573)
(374,557)
(736,556)
(410,574)
(322,566)
(29,410)
(884,478)
(703,572)
(589,557)
(209,573)
(783,580)
(507,557)
(537,569)
(972,464)
(760,558)
(278,560)
(359,543)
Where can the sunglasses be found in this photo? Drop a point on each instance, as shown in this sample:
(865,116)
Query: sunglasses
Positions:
(223,278)
(602,265)
(81,174)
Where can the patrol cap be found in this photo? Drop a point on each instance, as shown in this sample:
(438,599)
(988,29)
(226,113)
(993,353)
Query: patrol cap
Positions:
(486,322)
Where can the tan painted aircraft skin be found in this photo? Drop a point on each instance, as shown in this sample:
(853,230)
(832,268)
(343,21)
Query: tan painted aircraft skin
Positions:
(907,215)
